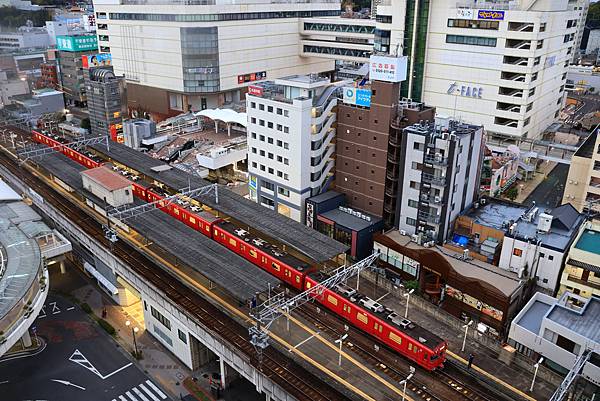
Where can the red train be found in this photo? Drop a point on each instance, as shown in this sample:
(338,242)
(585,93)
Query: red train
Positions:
(414,342)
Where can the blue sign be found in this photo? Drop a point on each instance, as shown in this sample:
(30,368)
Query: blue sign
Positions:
(496,15)
(359,97)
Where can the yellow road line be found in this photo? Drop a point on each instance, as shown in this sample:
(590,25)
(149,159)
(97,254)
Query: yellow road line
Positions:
(494,378)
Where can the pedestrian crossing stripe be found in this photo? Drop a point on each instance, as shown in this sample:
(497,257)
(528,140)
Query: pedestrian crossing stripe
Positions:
(147,391)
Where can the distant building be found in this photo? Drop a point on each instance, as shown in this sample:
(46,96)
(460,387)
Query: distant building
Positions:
(137,129)
(49,78)
(107,102)
(582,189)
(291,141)
(440,174)
(593,41)
(560,330)
(71,48)
(581,274)
(25,37)
(499,172)
(11,85)
(41,101)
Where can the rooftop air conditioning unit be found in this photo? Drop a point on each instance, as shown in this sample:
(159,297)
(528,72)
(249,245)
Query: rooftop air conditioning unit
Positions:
(415,238)
(545,222)
(402,232)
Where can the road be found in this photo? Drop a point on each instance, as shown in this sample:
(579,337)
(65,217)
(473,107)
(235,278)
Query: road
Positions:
(549,192)
(81,362)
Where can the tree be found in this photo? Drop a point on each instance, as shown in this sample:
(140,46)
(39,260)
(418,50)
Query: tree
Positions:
(85,123)
(512,193)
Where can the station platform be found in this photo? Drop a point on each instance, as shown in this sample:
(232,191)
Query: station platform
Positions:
(486,362)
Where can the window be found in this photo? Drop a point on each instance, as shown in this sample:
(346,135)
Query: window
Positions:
(182,336)
(413,203)
(253,135)
(262,153)
(286,130)
(252,105)
(411,222)
(275,266)
(286,177)
(279,173)
(550,257)
(270,155)
(262,138)
(253,253)
(279,111)
(270,140)
(271,170)
(279,127)
(286,145)
(286,161)
(262,167)
(362,317)
(542,254)
(545,281)
(283,191)
(517,252)
(253,120)
(270,109)
(254,150)
(286,113)
(261,107)
(417,166)
(158,316)
(332,300)
(471,40)
(270,124)
(279,158)
(254,164)
(415,185)
(261,123)
(418,146)
(267,185)
(395,338)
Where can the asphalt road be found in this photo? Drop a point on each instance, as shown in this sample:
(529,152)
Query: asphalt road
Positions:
(549,193)
(80,363)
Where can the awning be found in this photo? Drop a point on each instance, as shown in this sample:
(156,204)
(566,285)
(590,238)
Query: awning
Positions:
(107,284)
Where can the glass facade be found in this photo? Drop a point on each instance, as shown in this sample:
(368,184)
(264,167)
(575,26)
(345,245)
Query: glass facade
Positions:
(222,17)
(200,58)
(419,56)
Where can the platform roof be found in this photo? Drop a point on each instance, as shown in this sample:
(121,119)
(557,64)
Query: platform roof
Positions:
(240,277)
(310,242)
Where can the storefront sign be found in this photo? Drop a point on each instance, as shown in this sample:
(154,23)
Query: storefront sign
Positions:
(255,76)
(255,90)
(76,43)
(96,60)
(359,97)
(465,13)
(252,182)
(496,15)
(474,303)
(387,68)
(310,214)
(475,92)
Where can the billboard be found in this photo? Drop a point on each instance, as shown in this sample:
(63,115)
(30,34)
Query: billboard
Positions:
(496,15)
(76,43)
(255,90)
(255,76)
(359,97)
(465,13)
(388,68)
(96,60)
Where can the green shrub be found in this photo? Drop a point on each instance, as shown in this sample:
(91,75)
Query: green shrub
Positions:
(107,327)
(86,308)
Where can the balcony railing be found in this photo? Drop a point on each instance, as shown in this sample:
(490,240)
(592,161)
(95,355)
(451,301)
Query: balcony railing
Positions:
(438,160)
(428,217)
(579,281)
(432,179)
(438,200)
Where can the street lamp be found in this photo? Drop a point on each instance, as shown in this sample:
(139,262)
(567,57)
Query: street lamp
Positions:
(537,366)
(405,381)
(407,295)
(341,341)
(466,326)
(134,331)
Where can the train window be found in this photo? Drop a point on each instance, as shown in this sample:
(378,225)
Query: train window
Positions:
(252,253)
(362,317)
(410,346)
(375,326)
(347,308)
(161,203)
(395,337)
(308,284)
(298,279)
(288,273)
(192,220)
(232,242)
(275,266)
(333,300)
(263,259)
(176,210)
(425,356)
(216,232)
(415,349)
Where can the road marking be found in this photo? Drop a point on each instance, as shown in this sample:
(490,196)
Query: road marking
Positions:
(4,382)
(71,308)
(154,398)
(67,383)
(42,312)
(122,398)
(140,394)
(157,390)
(131,396)
(55,309)
(302,342)
(381,297)
(39,351)
(117,371)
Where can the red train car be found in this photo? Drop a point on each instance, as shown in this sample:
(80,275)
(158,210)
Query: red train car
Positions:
(263,254)
(414,342)
(65,150)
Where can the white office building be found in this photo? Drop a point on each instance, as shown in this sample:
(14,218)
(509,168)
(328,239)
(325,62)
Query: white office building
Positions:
(199,54)
(25,37)
(291,144)
(440,169)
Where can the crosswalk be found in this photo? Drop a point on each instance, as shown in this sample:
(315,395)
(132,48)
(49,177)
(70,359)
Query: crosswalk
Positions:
(146,391)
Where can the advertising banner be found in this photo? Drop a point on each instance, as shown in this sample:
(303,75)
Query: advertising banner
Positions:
(255,90)
(96,60)
(388,68)
(359,97)
(465,13)
(255,76)
(495,15)
(76,43)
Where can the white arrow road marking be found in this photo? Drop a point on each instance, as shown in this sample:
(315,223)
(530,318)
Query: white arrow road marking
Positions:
(68,383)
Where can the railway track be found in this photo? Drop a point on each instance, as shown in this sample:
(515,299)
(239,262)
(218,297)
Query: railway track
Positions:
(449,384)
(287,373)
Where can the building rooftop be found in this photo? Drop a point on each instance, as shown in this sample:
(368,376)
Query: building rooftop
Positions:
(583,321)
(496,213)
(107,178)
(564,228)
(325,196)
(349,220)
(587,147)
(310,242)
(504,281)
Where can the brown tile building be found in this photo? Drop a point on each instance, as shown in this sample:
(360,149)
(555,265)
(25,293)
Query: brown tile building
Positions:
(366,154)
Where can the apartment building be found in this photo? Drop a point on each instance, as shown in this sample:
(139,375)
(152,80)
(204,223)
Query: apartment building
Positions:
(25,37)
(581,274)
(196,54)
(291,141)
(582,188)
(71,49)
(440,166)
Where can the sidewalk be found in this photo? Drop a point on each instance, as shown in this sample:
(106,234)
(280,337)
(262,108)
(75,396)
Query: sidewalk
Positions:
(485,358)
(527,187)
